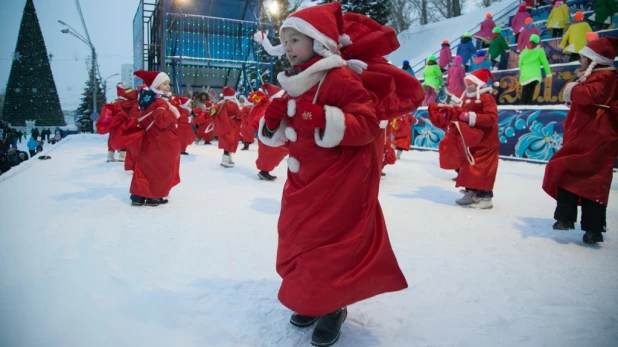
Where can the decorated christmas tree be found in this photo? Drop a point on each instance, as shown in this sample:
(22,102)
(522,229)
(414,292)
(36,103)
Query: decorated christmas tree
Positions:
(31,92)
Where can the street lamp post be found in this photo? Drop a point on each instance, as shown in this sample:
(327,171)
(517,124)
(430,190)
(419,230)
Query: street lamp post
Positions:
(105,85)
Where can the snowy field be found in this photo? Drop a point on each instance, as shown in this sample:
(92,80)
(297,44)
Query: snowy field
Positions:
(80,267)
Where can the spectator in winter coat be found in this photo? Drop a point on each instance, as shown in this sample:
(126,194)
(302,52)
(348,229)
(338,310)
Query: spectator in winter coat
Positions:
(32,146)
(530,62)
(575,38)
(13,157)
(531,5)
(35,133)
(558,19)
(406,67)
(480,62)
(519,21)
(455,79)
(524,36)
(433,80)
(486,29)
(604,10)
(498,50)
(446,56)
(5,165)
(466,50)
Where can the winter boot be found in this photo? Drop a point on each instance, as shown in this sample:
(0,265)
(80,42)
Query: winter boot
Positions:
(560,225)
(122,155)
(399,154)
(231,160)
(591,237)
(266,176)
(383,174)
(468,198)
(152,202)
(246,147)
(207,143)
(327,332)
(137,200)
(483,204)
(110,156)
(301,321)
(227,161)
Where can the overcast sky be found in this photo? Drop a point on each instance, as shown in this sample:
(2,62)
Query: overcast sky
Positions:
(110,27)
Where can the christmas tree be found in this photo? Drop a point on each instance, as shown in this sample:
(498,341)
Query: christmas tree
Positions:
(378,10)
(31,92)
(84,111)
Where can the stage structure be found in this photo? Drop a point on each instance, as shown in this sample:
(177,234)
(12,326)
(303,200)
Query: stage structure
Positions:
(202,43)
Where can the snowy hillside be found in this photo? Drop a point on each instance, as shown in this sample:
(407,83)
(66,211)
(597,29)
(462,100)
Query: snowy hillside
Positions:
(419,42)
(80,267)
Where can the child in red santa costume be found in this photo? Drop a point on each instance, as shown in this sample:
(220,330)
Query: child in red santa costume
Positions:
(268,157)
(185,123)
(157,164)
(113,115)
(580,173)
(227,118)
(402,132)
(479,111)
(333,249)
(247,134)
(205,123)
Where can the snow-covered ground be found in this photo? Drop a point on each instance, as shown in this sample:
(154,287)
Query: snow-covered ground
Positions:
(80,267)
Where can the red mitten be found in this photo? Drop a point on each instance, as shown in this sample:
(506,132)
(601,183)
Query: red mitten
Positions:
(274,112)
(310,115)
(464,117)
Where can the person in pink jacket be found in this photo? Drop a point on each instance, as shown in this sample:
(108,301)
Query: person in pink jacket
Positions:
(519,21)
(446,56)
(455,78)
(525,35)
(487,26)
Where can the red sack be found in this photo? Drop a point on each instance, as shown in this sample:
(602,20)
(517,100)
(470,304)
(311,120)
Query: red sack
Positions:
(105,119)
(449,150)
(441,116)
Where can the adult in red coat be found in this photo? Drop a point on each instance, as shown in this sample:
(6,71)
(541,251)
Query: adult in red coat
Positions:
(227,118)
(268,157)
(480,112)
(402,132)
(581,171)
(185,123)
(157,165)
(247,133)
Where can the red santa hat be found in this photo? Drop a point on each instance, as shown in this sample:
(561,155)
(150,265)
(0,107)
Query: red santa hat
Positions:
(152,78)
(272,90)
(601,52)
(481,78)
(184,102)
(323,23)
(125,93)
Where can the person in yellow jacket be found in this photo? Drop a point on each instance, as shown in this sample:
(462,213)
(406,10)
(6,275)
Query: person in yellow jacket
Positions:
(575,38)
(558,19)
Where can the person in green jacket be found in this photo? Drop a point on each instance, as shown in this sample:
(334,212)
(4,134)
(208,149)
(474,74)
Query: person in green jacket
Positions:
(433,80)
(498,49)
(575,38)
(604,10)
(558,19)
(530,61)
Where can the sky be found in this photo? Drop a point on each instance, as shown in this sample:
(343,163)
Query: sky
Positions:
(110,27)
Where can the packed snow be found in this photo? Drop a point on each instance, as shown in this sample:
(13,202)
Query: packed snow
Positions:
(79,266)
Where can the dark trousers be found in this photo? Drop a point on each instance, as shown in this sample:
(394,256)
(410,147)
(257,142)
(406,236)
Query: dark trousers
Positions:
(574,57)
(557,33)
(527,93)
(32,153)
(593,214)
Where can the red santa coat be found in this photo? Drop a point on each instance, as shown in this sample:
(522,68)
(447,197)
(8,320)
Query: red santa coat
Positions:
(227,118)
(246,130)
(402,131)
(483,116)
(205,123)
(333,244)
(185,128)
(389,157)
(268,157)
(157,164)
(584,164)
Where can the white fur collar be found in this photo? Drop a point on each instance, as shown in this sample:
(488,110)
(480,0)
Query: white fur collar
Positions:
(297,85)
(481,91)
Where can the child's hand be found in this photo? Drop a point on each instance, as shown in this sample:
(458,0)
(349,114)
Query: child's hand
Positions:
(464,117)
(274,112)
(309,115)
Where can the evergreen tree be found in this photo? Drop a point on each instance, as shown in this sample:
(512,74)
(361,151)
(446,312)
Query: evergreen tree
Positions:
(378,10)
(31,92)
(84,111)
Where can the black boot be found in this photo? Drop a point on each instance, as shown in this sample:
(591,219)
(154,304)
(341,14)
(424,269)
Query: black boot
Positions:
(327,331)
(591,237)
(246,147)
(137,200)
(301,321)
(560,225)
(266,176)
(184,153)
(383,174)
(154,202)
(207,143)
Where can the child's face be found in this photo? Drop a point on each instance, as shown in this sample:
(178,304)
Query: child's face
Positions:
(298,47)
(584,62)
(470,87)
(164,87)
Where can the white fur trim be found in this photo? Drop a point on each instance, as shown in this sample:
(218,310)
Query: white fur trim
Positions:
(530,81)
(291,107)
(468,101)
(291,134)
(161,77)
(259,37)
(596,57)
(335,128)
(496,84)
(262,39)
(383,124)
(345,40)
(568,89)
(297,85)
(278,138)
(173,108)
(293,165)
(306,28)
(472,120)
(475,79)
(277,95)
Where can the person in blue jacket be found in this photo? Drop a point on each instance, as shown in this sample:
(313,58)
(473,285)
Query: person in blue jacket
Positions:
(480,62)
(32,146)
(466,50)
(407,68)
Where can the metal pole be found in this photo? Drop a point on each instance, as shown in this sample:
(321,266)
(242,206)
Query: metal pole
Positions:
(94,88)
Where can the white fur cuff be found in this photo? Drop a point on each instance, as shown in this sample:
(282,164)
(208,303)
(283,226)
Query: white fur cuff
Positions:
(278,138)
(568,89)
(383,124)
(335,128)
(472,120)
(293,164)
